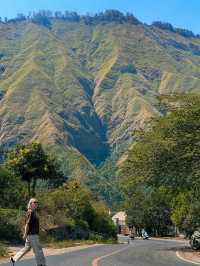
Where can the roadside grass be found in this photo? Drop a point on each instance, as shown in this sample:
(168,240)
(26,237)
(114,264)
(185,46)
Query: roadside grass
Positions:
(74,243)
(68,243)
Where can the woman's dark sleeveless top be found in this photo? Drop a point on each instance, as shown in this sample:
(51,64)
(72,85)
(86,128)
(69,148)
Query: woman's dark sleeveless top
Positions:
(33,222)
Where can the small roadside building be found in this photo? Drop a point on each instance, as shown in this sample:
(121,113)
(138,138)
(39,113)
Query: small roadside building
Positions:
(119,218)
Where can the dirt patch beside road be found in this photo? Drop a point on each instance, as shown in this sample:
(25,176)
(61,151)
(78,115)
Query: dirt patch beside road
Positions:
(190,255)
(184,253)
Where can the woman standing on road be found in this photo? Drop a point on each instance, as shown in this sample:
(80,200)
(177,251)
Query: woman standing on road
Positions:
(31,236)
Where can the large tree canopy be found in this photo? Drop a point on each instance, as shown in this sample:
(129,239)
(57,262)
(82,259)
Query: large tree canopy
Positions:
(31,163)
(167,156)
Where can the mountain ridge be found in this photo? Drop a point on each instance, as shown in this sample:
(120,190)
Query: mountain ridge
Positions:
(85,87)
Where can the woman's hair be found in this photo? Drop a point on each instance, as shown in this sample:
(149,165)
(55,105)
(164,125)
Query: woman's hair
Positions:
(29,203)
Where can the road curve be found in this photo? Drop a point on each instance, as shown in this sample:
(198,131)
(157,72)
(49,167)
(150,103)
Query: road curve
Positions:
(146,253)
(138,253)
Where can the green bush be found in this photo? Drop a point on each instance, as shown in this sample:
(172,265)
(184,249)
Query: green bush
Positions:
(10,224)
(3,250)
(96,237)
(13,190)
(129,68)
(102,222)
(71,212)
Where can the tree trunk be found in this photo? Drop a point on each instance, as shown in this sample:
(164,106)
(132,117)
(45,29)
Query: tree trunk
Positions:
(33,186)
(29,189)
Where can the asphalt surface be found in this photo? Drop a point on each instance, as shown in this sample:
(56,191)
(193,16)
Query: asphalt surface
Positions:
(138,253)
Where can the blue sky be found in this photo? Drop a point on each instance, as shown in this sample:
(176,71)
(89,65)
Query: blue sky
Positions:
(181,13)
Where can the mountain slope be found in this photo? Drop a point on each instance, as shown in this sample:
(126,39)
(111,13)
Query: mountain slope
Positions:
(83,88)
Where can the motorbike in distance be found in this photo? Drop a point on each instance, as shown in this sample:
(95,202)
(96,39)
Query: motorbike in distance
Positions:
(145,236)
(195,240)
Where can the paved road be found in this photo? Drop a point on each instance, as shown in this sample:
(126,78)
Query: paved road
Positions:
(138,253)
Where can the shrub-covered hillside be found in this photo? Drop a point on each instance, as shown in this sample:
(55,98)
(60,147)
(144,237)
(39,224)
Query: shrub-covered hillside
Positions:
(81,84)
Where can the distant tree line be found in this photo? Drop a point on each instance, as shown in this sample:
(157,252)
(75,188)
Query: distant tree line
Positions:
(44,17)
(169,27)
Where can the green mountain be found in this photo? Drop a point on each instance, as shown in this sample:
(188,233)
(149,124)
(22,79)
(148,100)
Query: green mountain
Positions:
(81,87)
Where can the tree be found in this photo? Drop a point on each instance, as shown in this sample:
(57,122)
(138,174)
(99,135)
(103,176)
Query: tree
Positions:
(21,17)
(168,155)
(41,18)
(73,202)
(168,26)
(163,25)
(31,163)
(58,14)
(12,190)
